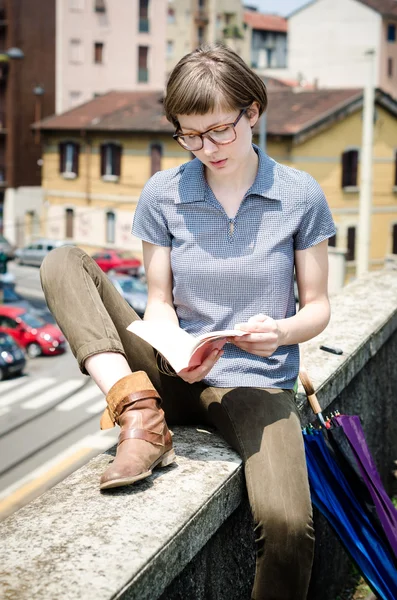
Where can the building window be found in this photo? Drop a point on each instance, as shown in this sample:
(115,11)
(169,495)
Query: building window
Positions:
(100,6)
(171,16)
(143,16)
(332,241)
(76,51)
(98,53)
(156,152)
(143,71)
(110,162)
(349,168)
(69,222)
(391,33)
(390,67)
(170,49)
(110,227)
(200,35)
(351,243)
(69,159)
(394,240)
(77,5)
(75,98)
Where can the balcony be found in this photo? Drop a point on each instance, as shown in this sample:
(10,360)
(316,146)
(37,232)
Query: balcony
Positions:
(143,25)
(201,17)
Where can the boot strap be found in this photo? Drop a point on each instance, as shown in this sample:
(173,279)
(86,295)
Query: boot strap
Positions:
(141,434)
(111,414)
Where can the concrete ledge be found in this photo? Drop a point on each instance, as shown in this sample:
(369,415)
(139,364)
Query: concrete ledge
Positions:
(166,537)
(74,543)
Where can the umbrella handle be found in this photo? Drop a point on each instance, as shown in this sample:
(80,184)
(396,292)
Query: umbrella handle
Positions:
(307,384)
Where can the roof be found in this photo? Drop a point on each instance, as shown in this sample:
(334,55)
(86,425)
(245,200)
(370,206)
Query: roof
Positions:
(387,8)
(291,111)
(265,22)
(114,111)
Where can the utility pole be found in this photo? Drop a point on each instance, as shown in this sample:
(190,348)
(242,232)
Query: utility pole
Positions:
(365,207)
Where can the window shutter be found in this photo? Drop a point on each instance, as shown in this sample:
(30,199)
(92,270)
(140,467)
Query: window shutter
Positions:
(351,243)
(117,159)
(103,160)
(345,169)
(76,154)
(354,166)
(62,157)
(394,251)
(155,157)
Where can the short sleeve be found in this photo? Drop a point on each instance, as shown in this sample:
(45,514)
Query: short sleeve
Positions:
(149,223)
(316,223)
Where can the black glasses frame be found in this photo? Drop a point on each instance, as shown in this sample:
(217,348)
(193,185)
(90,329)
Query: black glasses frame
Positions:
(177,135)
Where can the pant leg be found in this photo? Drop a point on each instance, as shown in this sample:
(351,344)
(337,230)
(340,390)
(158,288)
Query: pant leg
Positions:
(264,427)
(93,317)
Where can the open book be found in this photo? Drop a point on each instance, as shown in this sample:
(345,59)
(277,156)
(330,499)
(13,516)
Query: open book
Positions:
(179,348)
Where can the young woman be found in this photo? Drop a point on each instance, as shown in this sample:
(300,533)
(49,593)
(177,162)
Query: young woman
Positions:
(221,235)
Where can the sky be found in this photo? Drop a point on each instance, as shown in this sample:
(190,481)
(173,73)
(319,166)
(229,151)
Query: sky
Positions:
(280,7)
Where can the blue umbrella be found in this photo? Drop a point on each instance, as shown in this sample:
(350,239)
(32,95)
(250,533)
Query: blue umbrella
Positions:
(346,503)
(333,496)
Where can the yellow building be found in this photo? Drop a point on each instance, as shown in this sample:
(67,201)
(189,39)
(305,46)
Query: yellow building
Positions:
(98,156)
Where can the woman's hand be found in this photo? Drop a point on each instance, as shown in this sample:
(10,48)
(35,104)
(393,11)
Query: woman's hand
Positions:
(198,373)
(265,336)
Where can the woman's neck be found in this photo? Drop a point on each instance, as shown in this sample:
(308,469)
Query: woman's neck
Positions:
(242,178)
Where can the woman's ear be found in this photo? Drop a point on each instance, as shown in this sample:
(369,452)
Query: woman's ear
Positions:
(253,114)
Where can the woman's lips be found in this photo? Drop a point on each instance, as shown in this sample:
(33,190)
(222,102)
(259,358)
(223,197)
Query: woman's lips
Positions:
(218,163)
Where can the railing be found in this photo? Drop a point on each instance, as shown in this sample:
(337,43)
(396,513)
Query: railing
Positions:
(201,17)
(144,25)
(143,75)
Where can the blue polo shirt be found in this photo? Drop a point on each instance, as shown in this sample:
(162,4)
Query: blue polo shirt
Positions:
(227,270)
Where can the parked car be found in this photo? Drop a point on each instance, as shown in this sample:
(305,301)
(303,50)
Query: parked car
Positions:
(31,332)
(133,290)
(7,248)
(12,357)
(11,296)
(35,253)
(117,261)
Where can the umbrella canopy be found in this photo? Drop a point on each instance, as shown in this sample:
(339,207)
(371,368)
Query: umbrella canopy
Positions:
(385,509)
(333,496)
(346,487)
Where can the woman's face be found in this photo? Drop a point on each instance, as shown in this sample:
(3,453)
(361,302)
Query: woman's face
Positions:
(222,159)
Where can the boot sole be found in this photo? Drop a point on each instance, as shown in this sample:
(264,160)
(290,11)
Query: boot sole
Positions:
(164,461)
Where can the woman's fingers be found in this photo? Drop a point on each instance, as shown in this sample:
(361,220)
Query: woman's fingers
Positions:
(197,374)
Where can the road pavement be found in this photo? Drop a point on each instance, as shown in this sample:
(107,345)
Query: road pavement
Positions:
(49,418)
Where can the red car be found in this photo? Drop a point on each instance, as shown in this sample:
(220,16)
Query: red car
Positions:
(31,332)
(117,261)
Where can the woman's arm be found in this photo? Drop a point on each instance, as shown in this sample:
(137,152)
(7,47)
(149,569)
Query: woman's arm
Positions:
(312,278)
(160,306)
(157,263)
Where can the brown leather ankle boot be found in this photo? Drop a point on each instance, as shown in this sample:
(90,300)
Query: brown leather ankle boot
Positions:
(145,441)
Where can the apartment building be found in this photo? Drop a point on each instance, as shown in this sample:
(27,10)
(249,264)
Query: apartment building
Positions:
(328,39)
(192,22)
(64,53)
(265,39)
(108,44)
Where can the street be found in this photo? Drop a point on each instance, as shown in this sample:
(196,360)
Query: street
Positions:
(49,418)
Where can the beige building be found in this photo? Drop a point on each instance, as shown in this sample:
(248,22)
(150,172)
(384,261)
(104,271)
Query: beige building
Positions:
(192,22)
(108,44)
(328,39)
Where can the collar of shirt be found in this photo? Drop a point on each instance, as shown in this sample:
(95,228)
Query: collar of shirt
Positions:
(193,185)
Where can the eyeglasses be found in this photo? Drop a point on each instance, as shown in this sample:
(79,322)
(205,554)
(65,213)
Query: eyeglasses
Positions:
(219,135)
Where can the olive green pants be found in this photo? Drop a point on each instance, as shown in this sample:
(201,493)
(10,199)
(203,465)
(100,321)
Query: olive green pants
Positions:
(262,425)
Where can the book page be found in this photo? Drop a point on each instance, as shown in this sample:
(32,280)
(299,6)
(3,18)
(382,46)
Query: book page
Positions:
(179,348)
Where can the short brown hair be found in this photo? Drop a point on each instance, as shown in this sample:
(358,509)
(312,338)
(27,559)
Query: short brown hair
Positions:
(210,76)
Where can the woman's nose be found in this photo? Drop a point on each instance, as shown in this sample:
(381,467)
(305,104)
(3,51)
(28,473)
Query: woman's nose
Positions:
(208,146)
